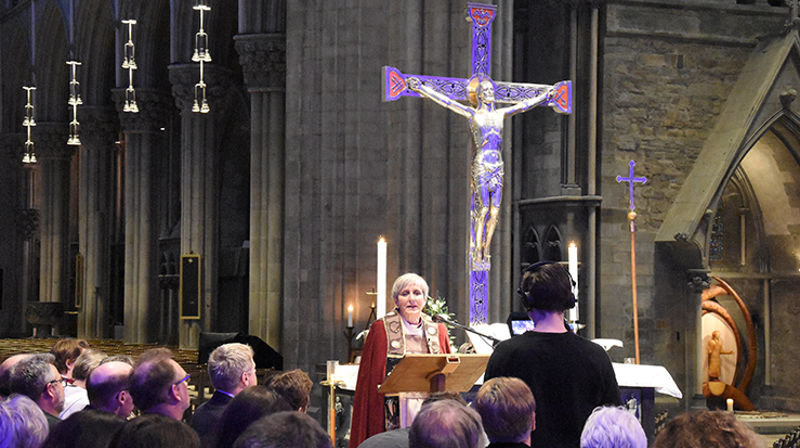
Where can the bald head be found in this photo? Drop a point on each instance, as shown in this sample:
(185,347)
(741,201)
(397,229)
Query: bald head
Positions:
(107,388)
(5,372)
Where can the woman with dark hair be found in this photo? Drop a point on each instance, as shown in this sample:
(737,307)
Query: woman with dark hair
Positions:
(405,330)
(246,407)
(568,375)
(155,431)
(86,428)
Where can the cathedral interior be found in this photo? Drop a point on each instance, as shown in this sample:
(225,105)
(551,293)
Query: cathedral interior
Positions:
(270,175)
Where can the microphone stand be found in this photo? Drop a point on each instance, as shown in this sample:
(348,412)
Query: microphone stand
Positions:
(452,323)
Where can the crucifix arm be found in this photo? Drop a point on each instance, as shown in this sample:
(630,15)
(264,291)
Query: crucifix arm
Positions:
(528,104)
(438,98)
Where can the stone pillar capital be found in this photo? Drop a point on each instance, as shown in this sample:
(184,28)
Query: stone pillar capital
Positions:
(12,146)
(98,125)
(184,77)
(50,139)
(698,280)
(154,110)
(263,59)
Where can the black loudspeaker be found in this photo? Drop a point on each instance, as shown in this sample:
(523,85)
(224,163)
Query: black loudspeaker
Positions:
(210,341)
(264,355)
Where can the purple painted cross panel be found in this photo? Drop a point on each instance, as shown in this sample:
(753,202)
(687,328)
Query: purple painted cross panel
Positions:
(395,86)
(481,16)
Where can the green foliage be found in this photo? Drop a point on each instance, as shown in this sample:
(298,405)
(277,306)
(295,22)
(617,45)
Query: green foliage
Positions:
(438,306)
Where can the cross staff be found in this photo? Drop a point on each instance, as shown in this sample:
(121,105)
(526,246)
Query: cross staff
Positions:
(486,125)
(631,217)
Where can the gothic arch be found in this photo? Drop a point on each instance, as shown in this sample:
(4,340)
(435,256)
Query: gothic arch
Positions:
(552,244)
(94,37)
(531,247)
(51,70)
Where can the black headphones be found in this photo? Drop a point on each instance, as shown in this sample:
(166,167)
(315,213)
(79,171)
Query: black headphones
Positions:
(529,302)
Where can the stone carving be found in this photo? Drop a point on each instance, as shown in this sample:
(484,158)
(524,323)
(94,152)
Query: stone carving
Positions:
(51,141)
(154,110)
(28,222)
(263,59)
(184,77)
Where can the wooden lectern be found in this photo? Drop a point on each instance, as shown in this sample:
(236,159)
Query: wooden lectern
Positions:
(452,372)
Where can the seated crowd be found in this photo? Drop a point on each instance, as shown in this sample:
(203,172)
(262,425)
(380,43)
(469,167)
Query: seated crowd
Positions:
(78,397)
(75,396)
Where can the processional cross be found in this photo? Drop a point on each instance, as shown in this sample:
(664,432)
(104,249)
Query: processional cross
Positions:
(631,218)
(486,125)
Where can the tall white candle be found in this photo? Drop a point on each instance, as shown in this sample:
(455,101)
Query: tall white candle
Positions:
(572,251)
(350,316)
(381,300)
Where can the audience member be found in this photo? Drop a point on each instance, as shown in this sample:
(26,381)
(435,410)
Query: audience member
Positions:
(37,378)
(398,438)
(446,424)
(118,358)
(108,388)
(288,429)
(508,412)
(75,397)
(612,427)
(87,428)
(5,372)
(156,431)
(295,386)
(231,369)
(22,423)
(707,429)
(251,404)
(66,351)
(159,385)
(568,375)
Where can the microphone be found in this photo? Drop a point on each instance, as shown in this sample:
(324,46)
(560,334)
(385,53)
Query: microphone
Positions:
(442,318)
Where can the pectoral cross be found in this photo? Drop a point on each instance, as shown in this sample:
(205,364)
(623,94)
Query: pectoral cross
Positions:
(486,125)
(631,179)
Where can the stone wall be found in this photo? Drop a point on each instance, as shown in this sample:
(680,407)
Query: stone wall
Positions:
(668,68)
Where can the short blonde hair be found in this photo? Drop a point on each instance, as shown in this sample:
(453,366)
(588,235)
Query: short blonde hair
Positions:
(227,363)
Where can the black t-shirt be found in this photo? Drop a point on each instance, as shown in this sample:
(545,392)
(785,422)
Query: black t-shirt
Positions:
(568,375)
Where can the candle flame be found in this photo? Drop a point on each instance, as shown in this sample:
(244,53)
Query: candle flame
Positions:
(572,244)
(381,239)
(350,308)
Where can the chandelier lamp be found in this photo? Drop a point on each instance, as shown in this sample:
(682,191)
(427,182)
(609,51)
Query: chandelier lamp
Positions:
(28,122)
(129,63)
(74,101)
(201,55)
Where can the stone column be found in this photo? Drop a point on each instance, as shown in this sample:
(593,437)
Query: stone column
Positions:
(144,140)
(200,184)
(19,277)
(94,213)
(263,58)
(698,282)
(54,161)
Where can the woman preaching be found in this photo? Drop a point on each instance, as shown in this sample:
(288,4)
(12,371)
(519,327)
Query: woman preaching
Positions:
(404,330)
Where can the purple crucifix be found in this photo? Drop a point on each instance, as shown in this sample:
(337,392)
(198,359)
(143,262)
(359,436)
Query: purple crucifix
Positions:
(631,180)
(486,125)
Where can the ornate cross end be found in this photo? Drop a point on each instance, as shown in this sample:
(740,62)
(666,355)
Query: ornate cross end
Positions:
(395,85)
(481,15)
(561,101)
